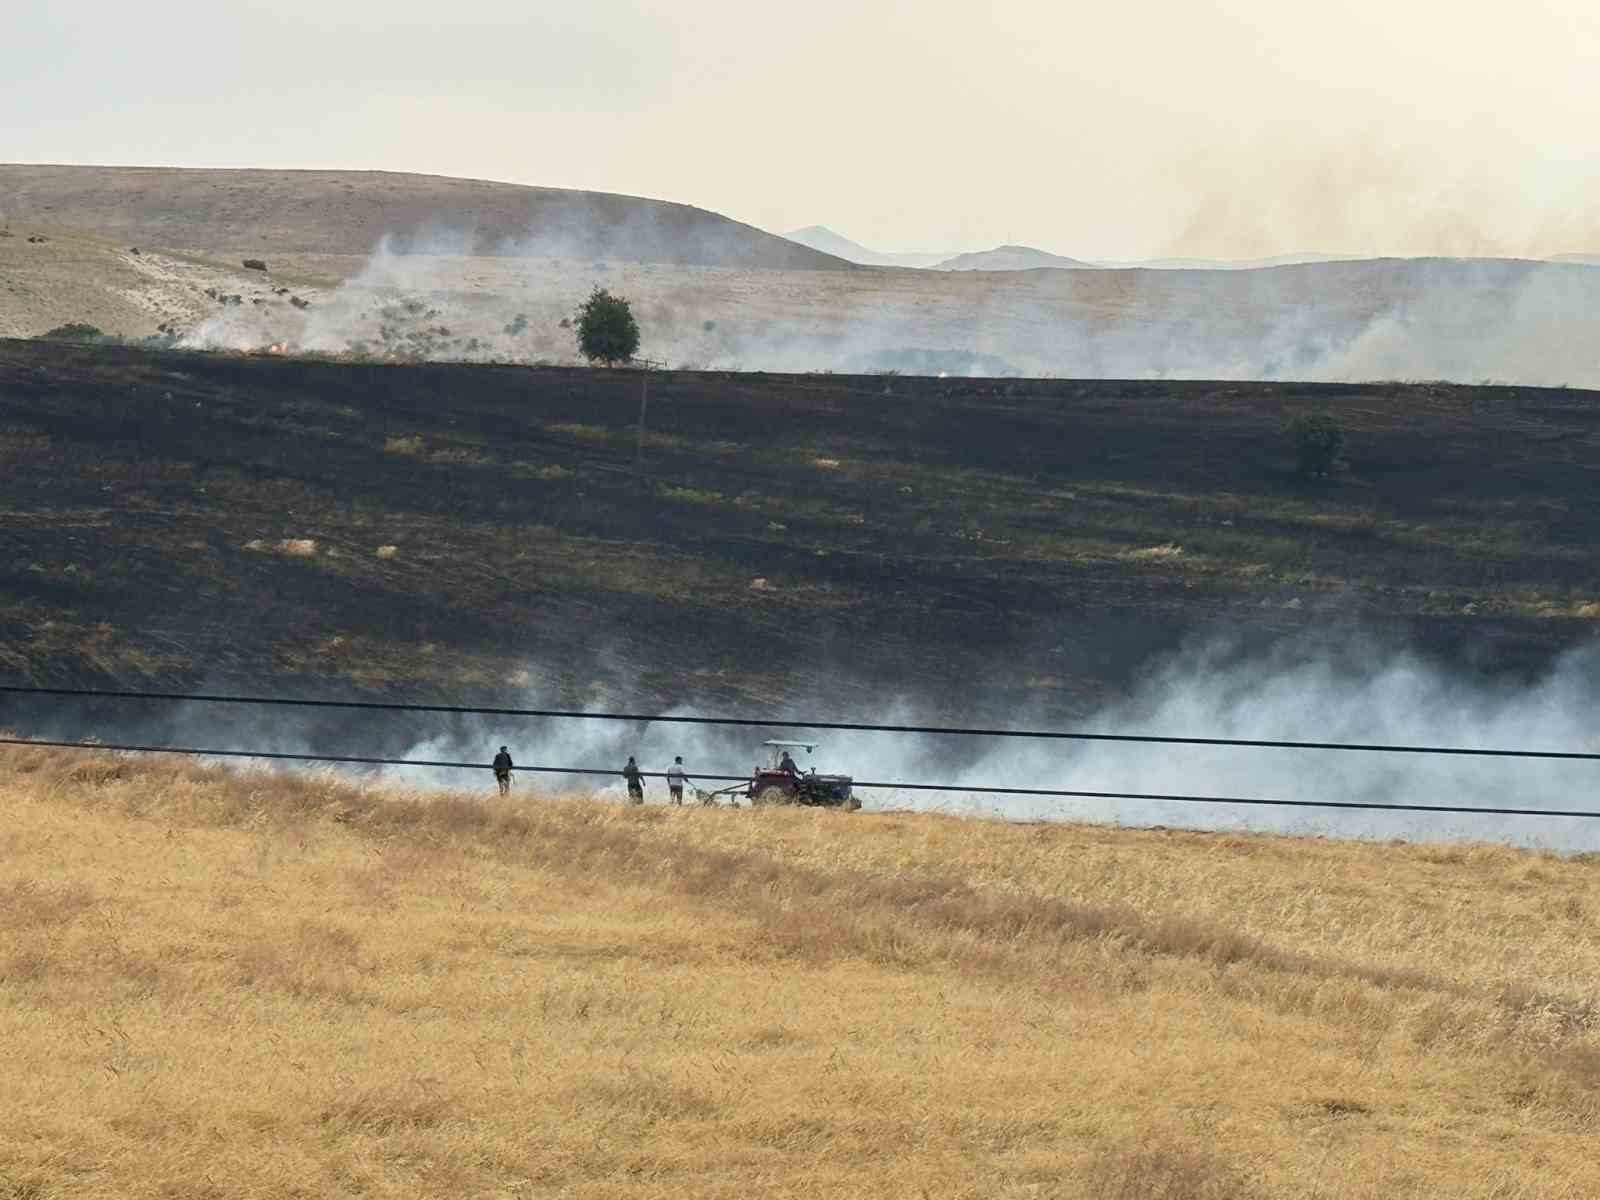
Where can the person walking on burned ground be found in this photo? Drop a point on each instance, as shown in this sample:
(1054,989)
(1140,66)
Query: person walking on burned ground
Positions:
(502,770)
(635,781)
(676,778)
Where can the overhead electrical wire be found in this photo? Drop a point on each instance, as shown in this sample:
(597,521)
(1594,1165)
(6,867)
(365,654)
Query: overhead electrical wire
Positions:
(1049,793)
(790,723)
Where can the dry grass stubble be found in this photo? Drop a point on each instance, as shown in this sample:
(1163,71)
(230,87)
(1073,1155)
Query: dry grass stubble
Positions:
(279,985)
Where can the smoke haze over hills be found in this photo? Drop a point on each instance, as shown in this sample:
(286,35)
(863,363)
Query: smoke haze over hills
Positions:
(357,262)
(1459,320)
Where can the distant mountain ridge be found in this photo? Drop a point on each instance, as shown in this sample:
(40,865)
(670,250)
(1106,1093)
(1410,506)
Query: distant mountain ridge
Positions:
(1030,258)
(821,238)
(1013,258)
(1232,264)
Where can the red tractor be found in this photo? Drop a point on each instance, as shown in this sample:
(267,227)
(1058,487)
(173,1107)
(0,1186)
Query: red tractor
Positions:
(780,782)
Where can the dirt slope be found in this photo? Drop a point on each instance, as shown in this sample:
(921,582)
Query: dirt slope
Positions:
(51,276)
(1464,321)
(347,212)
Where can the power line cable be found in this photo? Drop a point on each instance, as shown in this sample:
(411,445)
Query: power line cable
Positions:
(1056,793)
(774,723)
(355,759)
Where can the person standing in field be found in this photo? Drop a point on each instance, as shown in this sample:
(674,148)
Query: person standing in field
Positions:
(502,770)
(635,781)
(676,778)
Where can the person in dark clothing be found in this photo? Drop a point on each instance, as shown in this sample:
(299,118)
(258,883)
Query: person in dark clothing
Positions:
(635,781)
(788,767)
(502,770)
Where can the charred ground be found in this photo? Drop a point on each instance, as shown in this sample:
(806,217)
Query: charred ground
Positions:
(448,531)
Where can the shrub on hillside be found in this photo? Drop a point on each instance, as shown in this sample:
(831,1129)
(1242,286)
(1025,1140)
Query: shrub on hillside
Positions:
(74,331)
(606,329)
(164,338)
(1318,442)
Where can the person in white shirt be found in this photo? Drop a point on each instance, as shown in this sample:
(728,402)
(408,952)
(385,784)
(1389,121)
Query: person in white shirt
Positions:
(676,778)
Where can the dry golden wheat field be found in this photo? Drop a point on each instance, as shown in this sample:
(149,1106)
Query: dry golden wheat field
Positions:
(219,984)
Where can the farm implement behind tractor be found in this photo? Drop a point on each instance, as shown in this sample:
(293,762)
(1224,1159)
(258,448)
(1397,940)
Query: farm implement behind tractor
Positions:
(775,783)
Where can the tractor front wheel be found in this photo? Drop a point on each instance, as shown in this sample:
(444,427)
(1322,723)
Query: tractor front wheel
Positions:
(773,794)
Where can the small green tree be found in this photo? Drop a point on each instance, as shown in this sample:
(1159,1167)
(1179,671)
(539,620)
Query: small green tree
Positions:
(1318,443)
(606,329)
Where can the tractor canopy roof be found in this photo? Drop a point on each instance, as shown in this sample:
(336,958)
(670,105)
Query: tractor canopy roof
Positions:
(776,748)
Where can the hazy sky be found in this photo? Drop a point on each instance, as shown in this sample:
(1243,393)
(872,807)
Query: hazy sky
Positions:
(1124,129)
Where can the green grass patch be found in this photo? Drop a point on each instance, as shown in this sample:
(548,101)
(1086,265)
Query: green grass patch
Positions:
(687,495)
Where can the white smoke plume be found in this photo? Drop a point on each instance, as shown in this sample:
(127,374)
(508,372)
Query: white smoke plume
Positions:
(1346,689)
(1459,320)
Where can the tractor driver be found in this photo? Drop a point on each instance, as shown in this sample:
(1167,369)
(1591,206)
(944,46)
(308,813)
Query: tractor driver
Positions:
(787,765)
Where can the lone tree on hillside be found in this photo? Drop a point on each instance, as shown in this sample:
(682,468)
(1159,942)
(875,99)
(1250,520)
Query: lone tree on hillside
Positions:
(606,329)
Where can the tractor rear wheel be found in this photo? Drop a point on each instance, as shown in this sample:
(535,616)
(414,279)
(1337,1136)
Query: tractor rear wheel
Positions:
(773,794)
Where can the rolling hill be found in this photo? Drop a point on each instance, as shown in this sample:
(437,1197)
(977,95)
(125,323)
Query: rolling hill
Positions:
(267,213)
(134,251)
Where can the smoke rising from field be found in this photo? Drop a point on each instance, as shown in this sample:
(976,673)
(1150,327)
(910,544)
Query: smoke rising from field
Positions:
(1373,194)
(1459,320)
(1352,688)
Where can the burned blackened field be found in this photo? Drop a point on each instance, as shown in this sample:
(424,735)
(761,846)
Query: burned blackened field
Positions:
(821,542)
